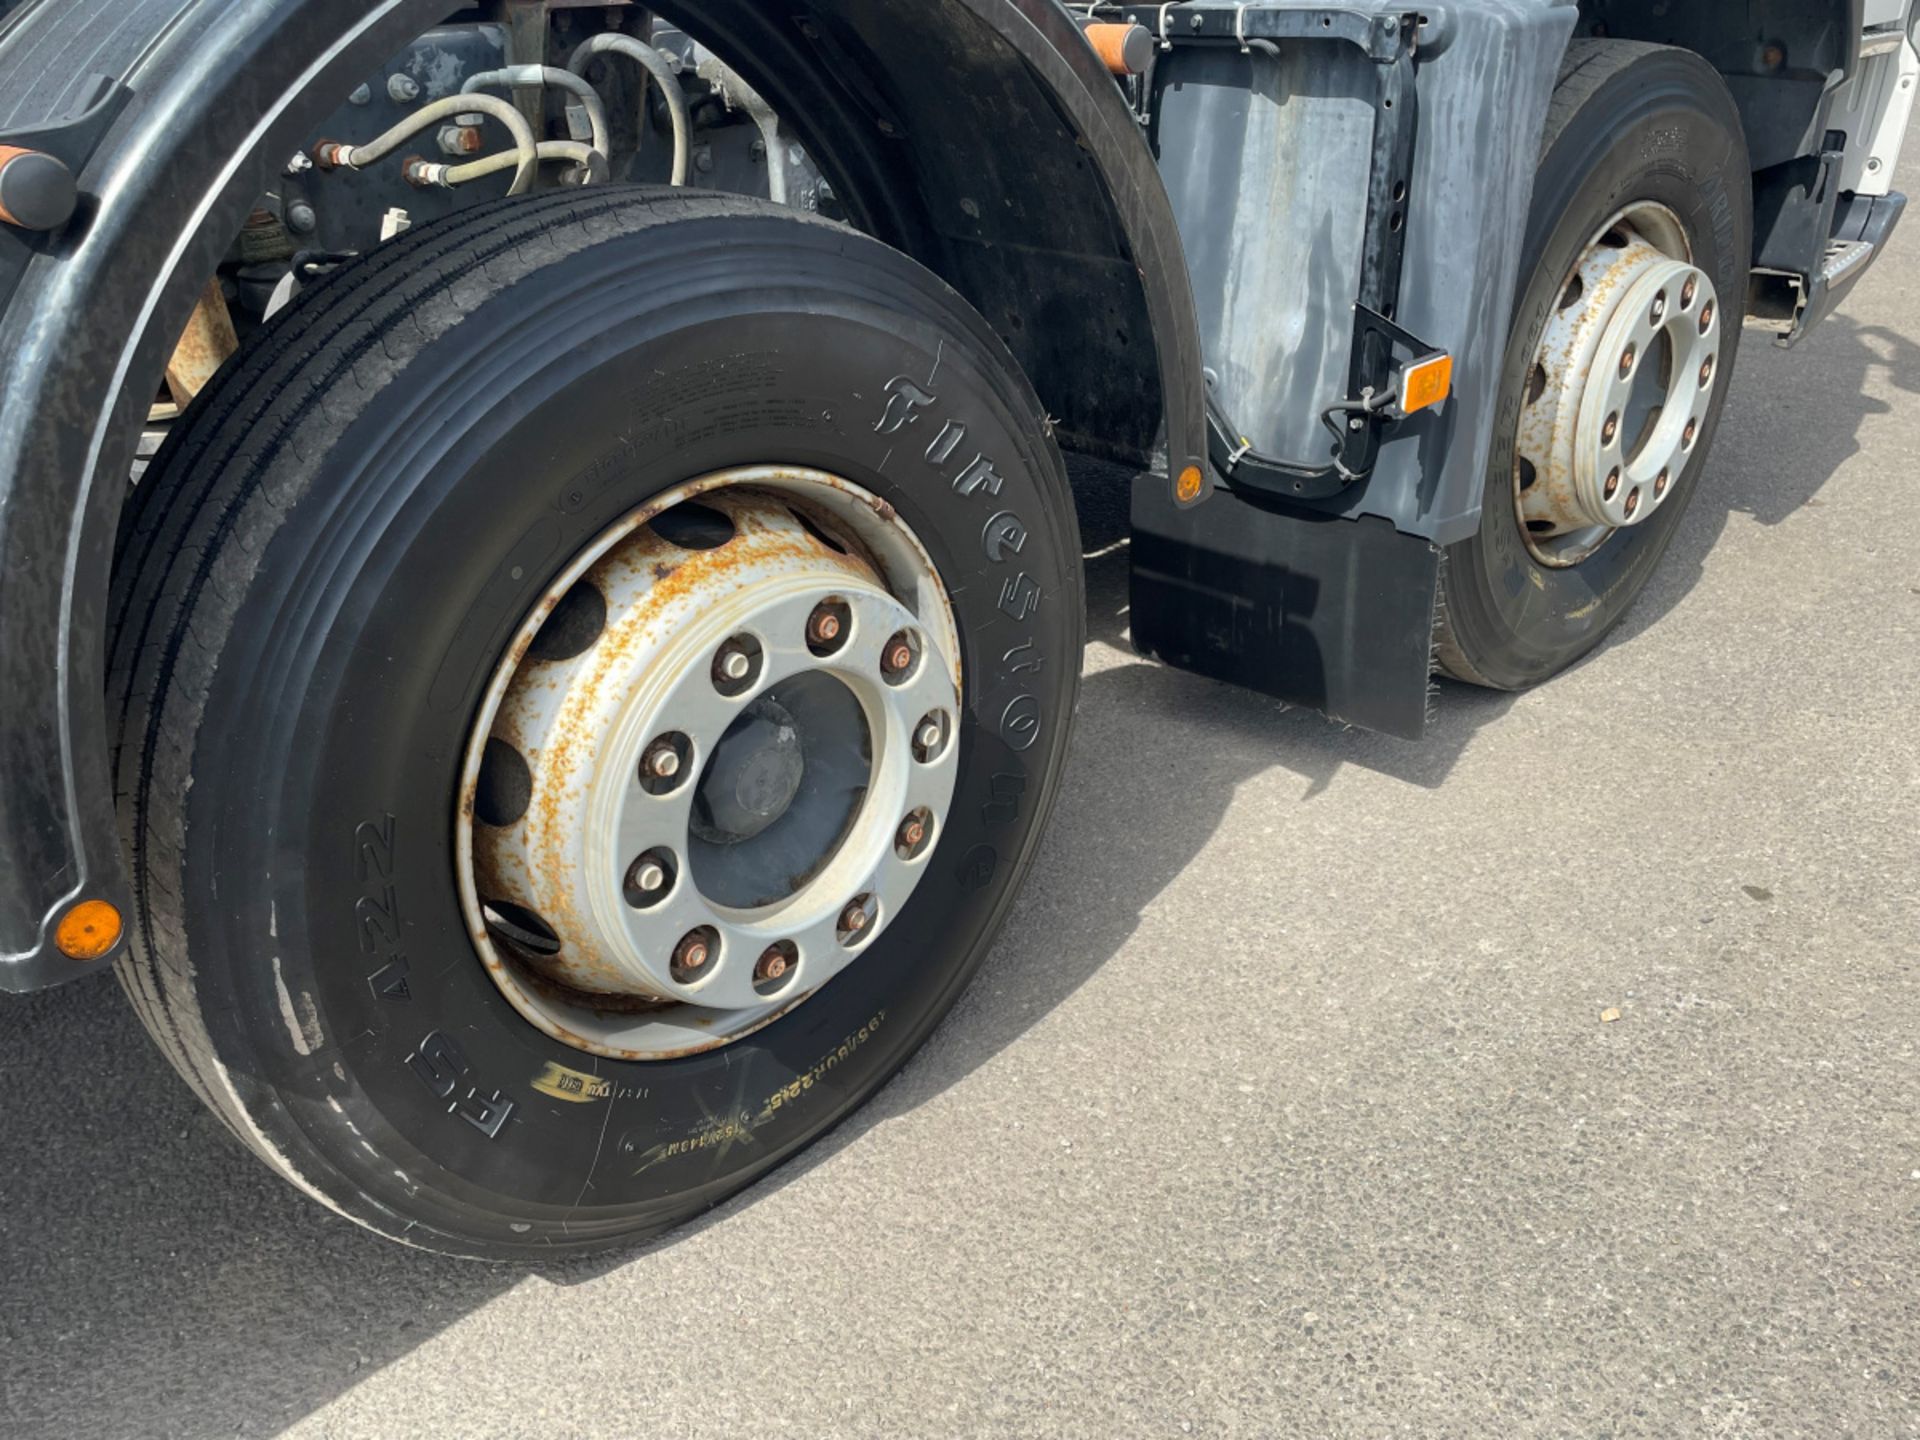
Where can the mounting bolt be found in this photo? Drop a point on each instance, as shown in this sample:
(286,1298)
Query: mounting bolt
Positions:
(853,919)
(912,832)
(897,658)
(402,89)
(774,962)
(693,951)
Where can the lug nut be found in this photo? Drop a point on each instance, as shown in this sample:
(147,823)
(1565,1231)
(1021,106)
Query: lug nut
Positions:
(663,762)
(1687,292)
(1706,372)
(649,875)
(734,665)
(1706,317)
(693,952)
(1610,429)
(1626,360)
(912,832)
(1686,438)
(1660,483)
(1659,308)
(897,658)
(853,919)
(773,964)
(823,628)
(1613,481)
(1633,501)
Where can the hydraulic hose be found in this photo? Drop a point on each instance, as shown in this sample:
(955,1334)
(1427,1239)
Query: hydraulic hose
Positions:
(421,172)
(512,75)
(525,154)
(655,64)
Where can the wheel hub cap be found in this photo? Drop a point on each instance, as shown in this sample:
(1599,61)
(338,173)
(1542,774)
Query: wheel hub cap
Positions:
(694,766)
(1619,389)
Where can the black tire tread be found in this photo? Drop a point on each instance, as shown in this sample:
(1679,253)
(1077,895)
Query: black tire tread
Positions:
(194,531)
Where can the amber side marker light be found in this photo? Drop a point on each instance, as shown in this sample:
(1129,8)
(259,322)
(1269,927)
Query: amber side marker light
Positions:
(1187,488)
(88,931)
(1425,383)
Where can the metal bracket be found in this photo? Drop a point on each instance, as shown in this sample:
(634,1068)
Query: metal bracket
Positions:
(1358,421)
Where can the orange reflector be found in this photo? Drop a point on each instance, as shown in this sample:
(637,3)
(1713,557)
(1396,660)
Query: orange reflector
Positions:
(1425,383)
(1187,488)
(87,931)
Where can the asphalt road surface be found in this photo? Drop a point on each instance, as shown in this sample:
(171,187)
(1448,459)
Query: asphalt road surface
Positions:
(1286,1106)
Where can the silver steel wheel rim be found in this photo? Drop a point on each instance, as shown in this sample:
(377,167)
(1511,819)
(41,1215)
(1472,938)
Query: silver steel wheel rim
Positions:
(573,843)
(1619,388)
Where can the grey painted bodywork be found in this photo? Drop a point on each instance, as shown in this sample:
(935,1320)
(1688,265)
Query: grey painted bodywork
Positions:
(1263,157)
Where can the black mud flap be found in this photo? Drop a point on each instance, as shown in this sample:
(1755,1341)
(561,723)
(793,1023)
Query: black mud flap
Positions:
(1321,611)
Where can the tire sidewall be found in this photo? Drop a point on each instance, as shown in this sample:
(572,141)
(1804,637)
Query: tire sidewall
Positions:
(1662,129)
(375,1049)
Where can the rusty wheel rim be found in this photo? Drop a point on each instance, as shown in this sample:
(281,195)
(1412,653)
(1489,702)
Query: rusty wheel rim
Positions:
(697,755)
(1618,389)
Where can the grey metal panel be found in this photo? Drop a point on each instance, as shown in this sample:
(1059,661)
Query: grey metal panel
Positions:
(1268,192)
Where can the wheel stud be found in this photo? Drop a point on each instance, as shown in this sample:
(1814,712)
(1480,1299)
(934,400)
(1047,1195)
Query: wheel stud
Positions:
(736,664)
(733,665)
(912,834)
(1706,317)
(1613,481)
(827,626)
(1660,484)
(1659,308)
(693,953)
(855,918)
(1626,360)
(774,963)
(1706,372)
(1687,292)
(1686,439)
(663,762)
(1610,429)
(1633,501)
(928,736)
(647,876)
(896,658)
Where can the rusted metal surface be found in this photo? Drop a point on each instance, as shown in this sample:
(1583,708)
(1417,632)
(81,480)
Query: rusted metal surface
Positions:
(598,725)
(205,345)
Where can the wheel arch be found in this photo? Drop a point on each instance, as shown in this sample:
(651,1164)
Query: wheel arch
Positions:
(217,95)
(1782,59)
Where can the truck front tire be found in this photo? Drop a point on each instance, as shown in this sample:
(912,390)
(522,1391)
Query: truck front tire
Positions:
(1642,200)
(334,583)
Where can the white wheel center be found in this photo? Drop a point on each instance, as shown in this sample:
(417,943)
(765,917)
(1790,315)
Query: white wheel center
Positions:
(714,764)
(1619,388)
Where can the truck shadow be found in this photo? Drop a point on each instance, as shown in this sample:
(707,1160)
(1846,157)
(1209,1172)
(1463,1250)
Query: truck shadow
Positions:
(1792,421)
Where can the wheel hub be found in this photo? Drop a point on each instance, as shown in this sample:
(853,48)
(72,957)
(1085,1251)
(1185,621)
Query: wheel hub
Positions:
(696,761)
(1619,388)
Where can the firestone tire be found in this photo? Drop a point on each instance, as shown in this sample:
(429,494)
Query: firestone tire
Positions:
(321,571)
(1629,122)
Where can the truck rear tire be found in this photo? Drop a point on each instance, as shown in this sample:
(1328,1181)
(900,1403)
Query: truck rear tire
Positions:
(1616,367)
(404,615)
